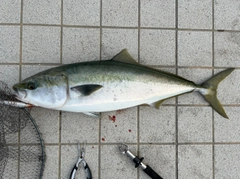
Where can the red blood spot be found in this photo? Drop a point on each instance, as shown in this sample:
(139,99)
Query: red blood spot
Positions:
(129,130)
(112,118)
(30,106)
(103,139)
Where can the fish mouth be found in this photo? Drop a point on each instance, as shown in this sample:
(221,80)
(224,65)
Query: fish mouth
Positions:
(18,93)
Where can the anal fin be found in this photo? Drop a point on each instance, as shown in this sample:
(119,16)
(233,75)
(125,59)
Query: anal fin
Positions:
(157,104)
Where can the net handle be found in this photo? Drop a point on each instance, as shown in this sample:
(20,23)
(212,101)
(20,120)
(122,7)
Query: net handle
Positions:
(41,143)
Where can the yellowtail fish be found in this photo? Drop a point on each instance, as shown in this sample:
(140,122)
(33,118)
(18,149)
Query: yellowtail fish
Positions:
(119,83)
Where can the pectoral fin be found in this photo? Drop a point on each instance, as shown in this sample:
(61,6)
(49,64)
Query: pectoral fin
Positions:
(85,90)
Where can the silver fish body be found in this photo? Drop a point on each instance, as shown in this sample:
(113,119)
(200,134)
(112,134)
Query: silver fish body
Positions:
(121,86)
(101,86)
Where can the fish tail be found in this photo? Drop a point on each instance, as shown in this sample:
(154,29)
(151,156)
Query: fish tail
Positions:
(210,92)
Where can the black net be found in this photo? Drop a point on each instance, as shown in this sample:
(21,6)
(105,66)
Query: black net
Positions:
(21,145)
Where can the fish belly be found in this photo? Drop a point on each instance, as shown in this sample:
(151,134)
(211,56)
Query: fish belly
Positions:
(123,95)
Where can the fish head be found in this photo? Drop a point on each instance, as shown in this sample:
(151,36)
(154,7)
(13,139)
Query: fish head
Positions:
(45,90)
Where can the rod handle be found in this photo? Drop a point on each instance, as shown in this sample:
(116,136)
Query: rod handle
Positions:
(152,173)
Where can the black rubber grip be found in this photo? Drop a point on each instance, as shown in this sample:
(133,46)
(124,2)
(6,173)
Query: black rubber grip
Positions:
(137,161)
(73,172)
(152,173)
(88,171)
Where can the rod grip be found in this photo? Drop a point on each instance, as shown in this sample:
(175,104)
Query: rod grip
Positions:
(152,173)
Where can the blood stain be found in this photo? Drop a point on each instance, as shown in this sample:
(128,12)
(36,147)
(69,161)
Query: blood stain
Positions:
(129,130)
(112,118)
(103,139)
(30,106)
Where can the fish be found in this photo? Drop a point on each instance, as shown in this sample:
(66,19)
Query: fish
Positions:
(93,87)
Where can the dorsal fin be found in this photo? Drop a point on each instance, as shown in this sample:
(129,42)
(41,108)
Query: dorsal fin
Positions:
(125,57)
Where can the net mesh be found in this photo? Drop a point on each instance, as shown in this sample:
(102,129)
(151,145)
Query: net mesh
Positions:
(21,146)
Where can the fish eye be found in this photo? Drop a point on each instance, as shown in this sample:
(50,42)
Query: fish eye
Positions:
(31,86)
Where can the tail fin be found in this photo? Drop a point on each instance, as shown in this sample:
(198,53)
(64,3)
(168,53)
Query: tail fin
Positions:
(210,94)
